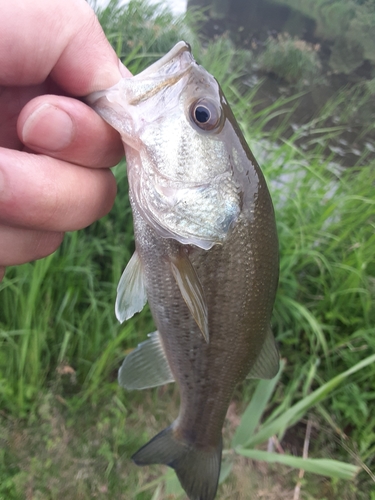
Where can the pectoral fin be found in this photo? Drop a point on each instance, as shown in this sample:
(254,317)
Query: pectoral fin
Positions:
(146,366)
(131,291)
(267,363)
(191,290)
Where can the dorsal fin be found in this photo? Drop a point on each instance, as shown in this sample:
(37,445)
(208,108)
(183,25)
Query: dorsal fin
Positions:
(267,363)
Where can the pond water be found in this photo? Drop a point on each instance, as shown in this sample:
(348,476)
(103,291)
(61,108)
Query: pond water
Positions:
(177,6)
(251,22)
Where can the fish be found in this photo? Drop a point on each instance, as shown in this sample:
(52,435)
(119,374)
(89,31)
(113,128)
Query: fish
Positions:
(206,257)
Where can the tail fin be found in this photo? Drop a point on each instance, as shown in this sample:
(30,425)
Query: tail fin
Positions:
(197,470)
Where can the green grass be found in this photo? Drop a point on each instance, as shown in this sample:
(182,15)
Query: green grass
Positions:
(65,425)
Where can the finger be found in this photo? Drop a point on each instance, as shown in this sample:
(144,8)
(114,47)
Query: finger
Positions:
(68,129)
(12,100)
(40,192)
(25,245)
(63,39)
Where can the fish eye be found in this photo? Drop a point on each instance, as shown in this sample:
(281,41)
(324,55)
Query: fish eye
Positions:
(205,114)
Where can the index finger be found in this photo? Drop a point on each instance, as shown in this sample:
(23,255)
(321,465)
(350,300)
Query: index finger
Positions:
(59,38)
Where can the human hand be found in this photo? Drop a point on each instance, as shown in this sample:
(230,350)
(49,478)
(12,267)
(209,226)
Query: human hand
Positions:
(54,150)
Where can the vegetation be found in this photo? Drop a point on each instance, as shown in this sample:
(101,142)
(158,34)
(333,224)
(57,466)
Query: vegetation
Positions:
(350,23)
(68,430)
(294,60)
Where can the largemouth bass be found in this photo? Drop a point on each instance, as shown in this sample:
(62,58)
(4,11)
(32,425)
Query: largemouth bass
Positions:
(206,256)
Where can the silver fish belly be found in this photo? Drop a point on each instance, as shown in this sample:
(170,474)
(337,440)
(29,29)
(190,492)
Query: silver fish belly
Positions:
(206,257)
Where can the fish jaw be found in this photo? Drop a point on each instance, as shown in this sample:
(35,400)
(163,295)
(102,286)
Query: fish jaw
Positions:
(118,104)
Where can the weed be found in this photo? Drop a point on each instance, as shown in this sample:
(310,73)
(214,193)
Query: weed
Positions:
(294,60)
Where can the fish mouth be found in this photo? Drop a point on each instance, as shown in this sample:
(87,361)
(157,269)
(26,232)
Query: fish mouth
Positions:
(165,72)
(173,57)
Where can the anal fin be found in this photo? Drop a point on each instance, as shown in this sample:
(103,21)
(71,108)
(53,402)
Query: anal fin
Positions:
(191,290)
(131,291)
(146,366)
(268,361)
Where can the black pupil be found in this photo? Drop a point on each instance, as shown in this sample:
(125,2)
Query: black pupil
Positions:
(202,114)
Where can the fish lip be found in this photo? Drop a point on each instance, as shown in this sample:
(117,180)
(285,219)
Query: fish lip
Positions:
(162,73)
(174,53)
(165,72)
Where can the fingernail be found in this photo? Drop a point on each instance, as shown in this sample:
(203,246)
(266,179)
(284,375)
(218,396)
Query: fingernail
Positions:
(49,128)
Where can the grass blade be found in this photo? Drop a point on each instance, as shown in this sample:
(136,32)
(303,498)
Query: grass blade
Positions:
(255,409)
(296,412)
(322,466)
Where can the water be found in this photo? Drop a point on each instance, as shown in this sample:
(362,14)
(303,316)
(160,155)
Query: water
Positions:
(249,24)
(177,6)
(254,21)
